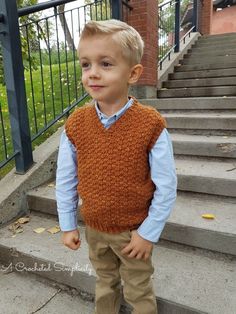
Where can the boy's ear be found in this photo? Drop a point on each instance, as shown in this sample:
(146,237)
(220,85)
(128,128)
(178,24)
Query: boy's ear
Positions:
(135,73)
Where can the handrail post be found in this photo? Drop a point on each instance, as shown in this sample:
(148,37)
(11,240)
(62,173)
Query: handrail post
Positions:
(195,15)
(116,9)
(15,85)
(177,25)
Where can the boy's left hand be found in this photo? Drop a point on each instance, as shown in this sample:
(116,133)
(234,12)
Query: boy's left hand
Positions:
(138,247)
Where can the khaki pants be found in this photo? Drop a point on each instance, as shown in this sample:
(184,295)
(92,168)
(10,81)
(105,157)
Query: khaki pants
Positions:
(111,267)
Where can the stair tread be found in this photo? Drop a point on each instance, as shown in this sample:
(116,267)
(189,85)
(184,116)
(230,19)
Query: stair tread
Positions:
(206,169)
(35,293)
(195,271)
(210,115)
(190,207)
(203,138)
(187,210)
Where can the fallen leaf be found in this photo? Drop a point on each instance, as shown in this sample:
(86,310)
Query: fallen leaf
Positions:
(23,220)
(15,228)
(54,229)
(208,216)
(39,230)
(19,230)
(51,185)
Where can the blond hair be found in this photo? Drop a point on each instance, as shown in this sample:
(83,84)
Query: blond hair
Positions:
(126,36)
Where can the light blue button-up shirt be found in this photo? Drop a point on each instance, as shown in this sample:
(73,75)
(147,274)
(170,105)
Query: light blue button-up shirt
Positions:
(163,175)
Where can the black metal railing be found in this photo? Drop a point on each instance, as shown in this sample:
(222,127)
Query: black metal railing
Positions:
(41,80)
(176,20)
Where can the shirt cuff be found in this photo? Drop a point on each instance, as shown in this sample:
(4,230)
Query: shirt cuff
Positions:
(68,221)
(151,230)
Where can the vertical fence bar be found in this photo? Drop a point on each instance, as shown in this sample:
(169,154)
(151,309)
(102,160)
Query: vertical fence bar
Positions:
(116,9)
(15,85)
(177,25)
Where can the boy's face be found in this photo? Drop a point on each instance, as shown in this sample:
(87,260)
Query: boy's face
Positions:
(105,72)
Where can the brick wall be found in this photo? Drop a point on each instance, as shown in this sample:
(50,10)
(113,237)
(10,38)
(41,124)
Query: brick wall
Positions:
(143,18)
(224,21)
(206,17)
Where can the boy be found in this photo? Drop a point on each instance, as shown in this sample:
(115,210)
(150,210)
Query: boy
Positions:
(117,156)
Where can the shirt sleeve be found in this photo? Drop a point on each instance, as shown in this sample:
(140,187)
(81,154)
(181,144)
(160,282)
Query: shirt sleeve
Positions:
(66,184)
(163,175)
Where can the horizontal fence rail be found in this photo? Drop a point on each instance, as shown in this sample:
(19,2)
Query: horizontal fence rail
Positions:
(176,20)
(51,76)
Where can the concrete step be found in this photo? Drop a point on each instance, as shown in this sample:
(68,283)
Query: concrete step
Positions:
(186,216)
(29,293)
(210,66)
(226,81)
(206,50)
(200,145)
(197,92)
(186,225)
(203,74)
(203,103)
(210,59)
(205,281)
(225,35)
(206,176)
(215,45)
(198,53)
(216,40)
(201,121)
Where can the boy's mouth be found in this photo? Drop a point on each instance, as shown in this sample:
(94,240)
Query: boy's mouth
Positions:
(96,87)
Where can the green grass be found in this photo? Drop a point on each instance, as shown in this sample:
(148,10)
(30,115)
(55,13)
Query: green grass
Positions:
(57,88)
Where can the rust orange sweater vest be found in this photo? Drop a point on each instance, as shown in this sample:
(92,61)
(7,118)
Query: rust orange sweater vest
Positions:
(113,167)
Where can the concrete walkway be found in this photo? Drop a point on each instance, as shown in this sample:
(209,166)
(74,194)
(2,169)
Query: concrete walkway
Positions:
(29,293)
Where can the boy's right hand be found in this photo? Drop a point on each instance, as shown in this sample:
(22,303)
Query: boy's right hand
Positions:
(71,239)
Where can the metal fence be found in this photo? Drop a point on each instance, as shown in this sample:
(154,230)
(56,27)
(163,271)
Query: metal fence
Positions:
(176,20)
(40,79)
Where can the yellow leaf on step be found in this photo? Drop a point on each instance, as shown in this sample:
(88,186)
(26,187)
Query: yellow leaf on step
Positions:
(54,229)
(23,220)
(39,230)
(51,185)
(208,216)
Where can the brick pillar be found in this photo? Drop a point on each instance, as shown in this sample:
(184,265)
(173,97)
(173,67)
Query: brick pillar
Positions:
(206,17)
(143,18)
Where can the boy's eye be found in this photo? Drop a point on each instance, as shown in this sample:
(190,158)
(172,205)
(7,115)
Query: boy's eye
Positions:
(106,64)
(84,65)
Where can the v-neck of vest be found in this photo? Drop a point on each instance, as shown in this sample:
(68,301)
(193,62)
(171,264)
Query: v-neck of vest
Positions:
(117,122)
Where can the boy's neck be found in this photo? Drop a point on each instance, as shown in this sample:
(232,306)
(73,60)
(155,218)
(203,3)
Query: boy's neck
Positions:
(111,109)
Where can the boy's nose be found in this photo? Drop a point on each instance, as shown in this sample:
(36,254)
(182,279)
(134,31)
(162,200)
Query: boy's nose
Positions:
(94,72)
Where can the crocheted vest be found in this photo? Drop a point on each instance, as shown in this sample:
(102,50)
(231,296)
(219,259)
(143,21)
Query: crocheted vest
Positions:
(113,165)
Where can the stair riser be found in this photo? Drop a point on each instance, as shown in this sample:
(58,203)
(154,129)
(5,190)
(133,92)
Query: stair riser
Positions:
(203,123)
(225,150)
(199,67)
(219,41)
(198,92)
(203,74)
(209,60)
(198,53)
(169,233)
(208,103)
(228,45)
(207,132)
(225,35)
(228,81)
(205,239)
(207,185)
(82,281)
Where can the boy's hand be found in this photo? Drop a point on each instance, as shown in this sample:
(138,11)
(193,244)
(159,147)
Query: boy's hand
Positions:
(71,239)
(138,247)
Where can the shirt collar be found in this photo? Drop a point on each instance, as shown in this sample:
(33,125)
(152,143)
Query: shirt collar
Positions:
(115,115)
